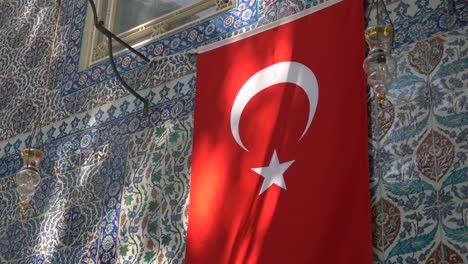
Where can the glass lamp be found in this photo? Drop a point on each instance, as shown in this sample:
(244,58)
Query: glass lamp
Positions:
(380,65)
(27,178)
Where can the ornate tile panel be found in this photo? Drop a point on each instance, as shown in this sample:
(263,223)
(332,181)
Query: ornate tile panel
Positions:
(76,219)
(22,237)
(117,109)
(7,183)
(100,150)
(153,221)
(418,156)
(73,91)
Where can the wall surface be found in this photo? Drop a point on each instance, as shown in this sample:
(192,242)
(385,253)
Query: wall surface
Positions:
(418,144)
(115,184)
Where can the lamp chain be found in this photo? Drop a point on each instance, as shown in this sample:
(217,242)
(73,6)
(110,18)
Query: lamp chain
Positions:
(40,121)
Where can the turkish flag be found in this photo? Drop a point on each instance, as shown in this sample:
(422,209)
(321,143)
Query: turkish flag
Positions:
(279,165)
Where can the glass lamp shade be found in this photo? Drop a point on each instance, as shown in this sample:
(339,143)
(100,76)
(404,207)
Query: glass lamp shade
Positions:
(32,157)
(27,178)
(379,65)
(381,69)
(379,37)
(25,194)
(379,27)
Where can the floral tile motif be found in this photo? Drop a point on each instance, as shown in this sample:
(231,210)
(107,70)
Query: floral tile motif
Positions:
(47,198)
(38,258)
(72,227)
(381,119)
(443,253)
(153,219)
(411,122)
(171,111)
(406,9)
(417,73)
(142,143)
(385,225)
(405,185)
(77,215)
(107,253)
(85,254)
(426,24)
(455,228)
(407,86)
(4,245)
(435,155)
(9,218)
(176,181)
(148,257)
(100,116)
(83,224)
(82,177)
(22,237)
(92,184)
(435,233)
(29,37)
(8,202)
(7,183)
(422,157)
(52,232)
(426,55)
(417,235)
(140,214)
(375,169)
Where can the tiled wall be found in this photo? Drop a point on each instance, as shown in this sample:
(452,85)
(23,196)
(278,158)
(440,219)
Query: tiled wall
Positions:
(115,184)
(418,146)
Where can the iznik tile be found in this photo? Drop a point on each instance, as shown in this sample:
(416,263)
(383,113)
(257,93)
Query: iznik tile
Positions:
(417,237)
(99,148)
(153,219)
(410,125)
(405,186)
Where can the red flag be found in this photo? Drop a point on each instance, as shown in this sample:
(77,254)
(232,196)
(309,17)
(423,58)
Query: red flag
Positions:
(279,168)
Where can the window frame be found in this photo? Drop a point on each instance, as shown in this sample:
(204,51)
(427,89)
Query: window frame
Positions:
(93,53)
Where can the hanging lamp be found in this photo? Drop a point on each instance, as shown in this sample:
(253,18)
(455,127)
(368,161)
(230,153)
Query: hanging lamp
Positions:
(379,65)
(27,178)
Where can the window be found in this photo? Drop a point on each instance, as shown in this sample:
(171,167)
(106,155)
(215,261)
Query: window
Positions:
(140,21)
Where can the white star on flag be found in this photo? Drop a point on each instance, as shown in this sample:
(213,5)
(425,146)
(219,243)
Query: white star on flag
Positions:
(273,173)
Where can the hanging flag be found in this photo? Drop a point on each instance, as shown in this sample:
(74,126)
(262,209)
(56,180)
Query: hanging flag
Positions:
(279,165)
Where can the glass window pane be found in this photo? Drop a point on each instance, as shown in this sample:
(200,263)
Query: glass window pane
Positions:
(194,17)
(132,13)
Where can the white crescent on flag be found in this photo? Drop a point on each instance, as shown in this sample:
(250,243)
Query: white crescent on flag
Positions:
(282,72)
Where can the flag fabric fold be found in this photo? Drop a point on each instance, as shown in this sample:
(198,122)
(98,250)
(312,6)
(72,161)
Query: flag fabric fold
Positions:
(279,164)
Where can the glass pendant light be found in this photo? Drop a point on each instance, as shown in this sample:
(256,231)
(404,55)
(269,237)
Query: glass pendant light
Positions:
(379,65)
(27,178)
